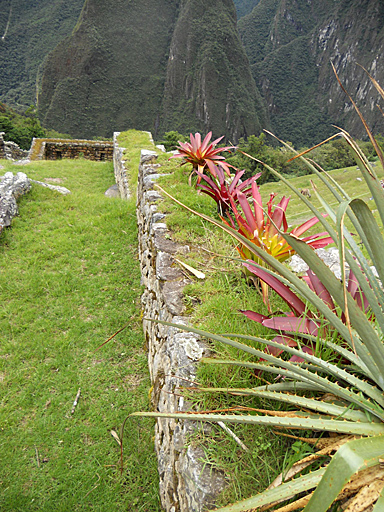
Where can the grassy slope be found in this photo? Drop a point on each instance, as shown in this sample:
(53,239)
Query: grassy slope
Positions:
(69,278)
(348,178)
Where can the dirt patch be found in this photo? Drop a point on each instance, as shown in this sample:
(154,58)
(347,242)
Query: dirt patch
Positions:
(131,382)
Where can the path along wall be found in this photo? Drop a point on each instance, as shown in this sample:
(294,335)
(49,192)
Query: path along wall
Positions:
(186,483)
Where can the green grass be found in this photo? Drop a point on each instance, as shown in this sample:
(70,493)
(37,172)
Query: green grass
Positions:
(134,141)
(69,279)
(297,211)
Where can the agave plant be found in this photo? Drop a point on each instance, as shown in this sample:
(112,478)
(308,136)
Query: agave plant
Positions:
(356,411)
(203,155)
(219,190)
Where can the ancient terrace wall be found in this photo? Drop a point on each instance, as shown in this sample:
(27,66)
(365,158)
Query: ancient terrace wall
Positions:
(50,149)
(186,483)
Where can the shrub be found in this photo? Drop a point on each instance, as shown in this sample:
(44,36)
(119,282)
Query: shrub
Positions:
(20,128)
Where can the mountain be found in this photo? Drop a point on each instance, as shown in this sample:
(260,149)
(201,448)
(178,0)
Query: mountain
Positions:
(244,7)
(208,83)
(291,44)
(96,66)
(28,31)
(151,64)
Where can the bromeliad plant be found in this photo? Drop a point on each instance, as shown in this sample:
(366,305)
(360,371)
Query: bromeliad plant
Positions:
(267,229)
(225,195)
(203,155)
(293,326)
(260,227)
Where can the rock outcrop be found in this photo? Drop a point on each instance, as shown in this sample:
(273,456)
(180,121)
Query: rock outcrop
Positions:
(11,188)
(291,44)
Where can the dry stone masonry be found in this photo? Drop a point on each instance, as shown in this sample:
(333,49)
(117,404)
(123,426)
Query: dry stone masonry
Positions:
(186,483)
(10,150)
(49,149)
(121,175)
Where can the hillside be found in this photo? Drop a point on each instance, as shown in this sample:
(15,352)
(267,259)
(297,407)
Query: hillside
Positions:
(28,31)
(290,45)
(208,84)
(154,65)
(244,7)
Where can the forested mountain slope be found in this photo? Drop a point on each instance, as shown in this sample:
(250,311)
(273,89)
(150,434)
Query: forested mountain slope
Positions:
(208,80)
(151,64)
(244,7)
(291,44)
(164,65)
(28,31)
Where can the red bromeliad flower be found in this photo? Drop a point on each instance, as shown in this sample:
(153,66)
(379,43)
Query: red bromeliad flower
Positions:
(204,154)
(221,192)
(264,229)
(300,320)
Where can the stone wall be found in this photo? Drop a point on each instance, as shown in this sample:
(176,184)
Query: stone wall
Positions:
(97,151)
(186,483)
(10,150)
(121,175)
(50,149)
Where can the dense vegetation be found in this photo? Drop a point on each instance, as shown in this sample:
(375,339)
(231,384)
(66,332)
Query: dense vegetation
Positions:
(209,85)
(185,69)
(244,7)
(20,128)
(28,31)
(290,46)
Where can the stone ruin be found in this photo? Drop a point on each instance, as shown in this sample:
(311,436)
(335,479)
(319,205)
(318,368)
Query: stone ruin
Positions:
(10,150)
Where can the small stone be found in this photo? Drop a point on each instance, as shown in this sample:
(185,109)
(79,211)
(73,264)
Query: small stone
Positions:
(113,191)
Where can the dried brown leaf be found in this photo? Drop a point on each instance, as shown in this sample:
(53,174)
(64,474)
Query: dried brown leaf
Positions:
(116,437)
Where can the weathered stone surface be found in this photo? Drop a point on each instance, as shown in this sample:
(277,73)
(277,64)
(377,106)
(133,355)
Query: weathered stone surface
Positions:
(208,484)
(121,172)
(186,484)
(11,188)
(173,295)
(10,150)
(329,256)
(57,188)
(113,191)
